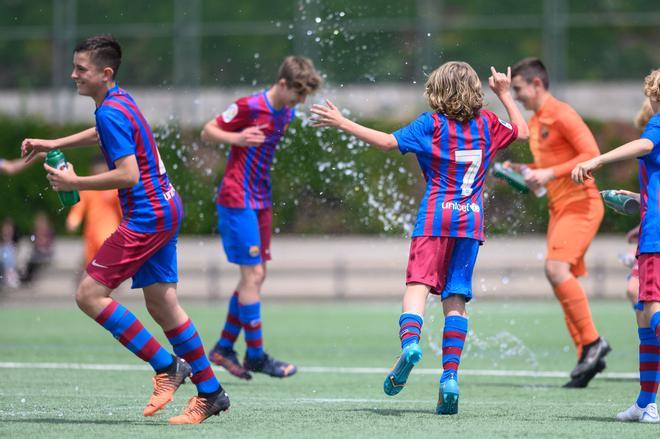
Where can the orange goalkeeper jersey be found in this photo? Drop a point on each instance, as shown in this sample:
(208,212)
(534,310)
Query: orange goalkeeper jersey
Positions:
(559,139)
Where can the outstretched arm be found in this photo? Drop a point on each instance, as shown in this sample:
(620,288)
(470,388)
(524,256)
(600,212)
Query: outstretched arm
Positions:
(14,166)
(636,148)
(329,116)
(30,147)
(500,84)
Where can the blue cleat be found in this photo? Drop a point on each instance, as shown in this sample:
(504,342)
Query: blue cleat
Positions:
(397,378)
(448,397)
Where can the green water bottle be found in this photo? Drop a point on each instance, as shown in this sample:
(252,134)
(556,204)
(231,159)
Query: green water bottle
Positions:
(620,203)
(55,159)
(515,179)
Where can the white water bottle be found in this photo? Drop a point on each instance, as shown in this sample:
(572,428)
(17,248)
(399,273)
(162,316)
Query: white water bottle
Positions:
(540,191)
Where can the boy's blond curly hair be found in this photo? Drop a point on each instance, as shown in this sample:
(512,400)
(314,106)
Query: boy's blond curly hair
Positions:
(644,114)
(652,85)
(454,90)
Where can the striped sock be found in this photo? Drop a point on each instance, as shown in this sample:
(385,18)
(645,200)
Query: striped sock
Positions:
(250,316)
(232,325)
(453,340)
(655,324)
(188,345)
(126,328)
(649,366)
(410,328)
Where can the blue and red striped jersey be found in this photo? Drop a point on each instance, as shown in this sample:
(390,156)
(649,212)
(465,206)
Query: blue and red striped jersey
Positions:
(454,157)
(152,205)
(649,185)
(246,182)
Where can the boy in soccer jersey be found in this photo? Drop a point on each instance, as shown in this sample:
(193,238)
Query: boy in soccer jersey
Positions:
(647,150)
(253,126)
(558,140)
(144,245)
(454,145)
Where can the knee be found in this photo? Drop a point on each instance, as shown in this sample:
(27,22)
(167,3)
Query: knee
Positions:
(87,295)
(256,275)
(556,273)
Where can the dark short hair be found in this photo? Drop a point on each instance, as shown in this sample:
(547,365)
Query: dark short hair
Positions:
(104,51)
(530,68)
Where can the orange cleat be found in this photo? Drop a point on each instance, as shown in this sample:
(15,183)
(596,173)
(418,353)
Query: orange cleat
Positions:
(165,384)
(200,408)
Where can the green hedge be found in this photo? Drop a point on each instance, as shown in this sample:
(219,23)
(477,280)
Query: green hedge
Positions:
(324,182)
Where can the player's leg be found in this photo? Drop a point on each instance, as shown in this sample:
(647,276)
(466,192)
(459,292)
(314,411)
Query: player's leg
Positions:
(239,231)
(118,259)
(211,399)
(645,409)
(457,291)
(410,329)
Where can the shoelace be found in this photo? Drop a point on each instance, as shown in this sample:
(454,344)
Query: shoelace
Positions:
(162,383)
(196,405)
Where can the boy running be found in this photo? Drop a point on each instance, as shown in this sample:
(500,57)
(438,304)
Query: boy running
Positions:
(647,150)
(559,139)
(144,245)
(454,145)
(253,126)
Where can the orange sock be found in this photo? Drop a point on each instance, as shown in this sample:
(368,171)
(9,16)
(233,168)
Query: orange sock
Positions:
(573,300)
(575,335)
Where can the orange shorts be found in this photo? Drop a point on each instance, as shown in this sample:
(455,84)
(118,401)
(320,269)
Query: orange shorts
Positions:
(571,229)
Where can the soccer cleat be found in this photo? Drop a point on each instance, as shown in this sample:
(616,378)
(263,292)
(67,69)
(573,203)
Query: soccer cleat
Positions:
(226,358)
(583,380)
(270,366)
(635,413)
(398,376)
(448,397)
(165,384)
(200,408)
(591,355)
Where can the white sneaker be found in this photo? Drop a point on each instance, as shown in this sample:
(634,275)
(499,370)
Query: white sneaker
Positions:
(633,413)
(650,414)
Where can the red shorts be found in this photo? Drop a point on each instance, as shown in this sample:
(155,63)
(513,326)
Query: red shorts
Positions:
(147,257)
(649,277)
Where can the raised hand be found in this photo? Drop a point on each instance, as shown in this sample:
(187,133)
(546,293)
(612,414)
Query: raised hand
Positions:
(327,115)
(582,171)
(30,148)
(499,82)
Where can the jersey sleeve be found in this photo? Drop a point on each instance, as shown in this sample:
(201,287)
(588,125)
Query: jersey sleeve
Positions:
(116,133)
(236,117)
(652,131)
(502,133)
(414,136)
(579,136)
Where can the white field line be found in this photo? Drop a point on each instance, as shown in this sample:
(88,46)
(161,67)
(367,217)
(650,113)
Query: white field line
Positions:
(331,370)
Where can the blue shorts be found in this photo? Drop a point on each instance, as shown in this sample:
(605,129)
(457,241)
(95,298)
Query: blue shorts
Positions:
(445,264)
(245,234)
(160,268)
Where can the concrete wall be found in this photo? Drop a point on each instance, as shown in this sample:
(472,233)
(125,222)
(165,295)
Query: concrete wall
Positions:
(351,267)
(604,101)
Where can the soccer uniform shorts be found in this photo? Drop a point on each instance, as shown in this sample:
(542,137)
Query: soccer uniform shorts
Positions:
(444,264)
(571,229)
(148,258)
(245,233)
(649,277)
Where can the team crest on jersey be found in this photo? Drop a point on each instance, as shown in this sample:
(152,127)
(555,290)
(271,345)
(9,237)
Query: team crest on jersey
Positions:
(254,251)
(505,123)
(544,132)
(230,113)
